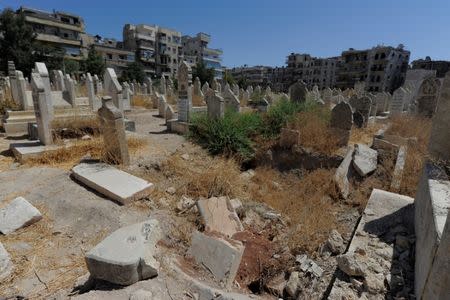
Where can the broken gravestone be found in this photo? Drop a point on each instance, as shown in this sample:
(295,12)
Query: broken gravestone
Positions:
(17,214)
(364,159)
(127,255)
(6,265)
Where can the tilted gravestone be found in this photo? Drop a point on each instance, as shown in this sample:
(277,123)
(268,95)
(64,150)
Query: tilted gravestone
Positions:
(113,129)
(162,86)
(427,99)
(231,101)
(69,93)
(184,101)
(113,88)
(215,105)
(43,109)
(297,92)
(342,121)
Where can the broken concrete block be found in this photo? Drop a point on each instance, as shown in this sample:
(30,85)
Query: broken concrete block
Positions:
(219,255)
(219,215)
(350,265)
(17,214)
(342,174)
(365,159)
(6,265)
(111,182)
(127,255)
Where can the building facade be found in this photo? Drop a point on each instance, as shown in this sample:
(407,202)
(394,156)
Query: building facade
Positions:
(196,49)
(58,29)
(382,68)
(114,53)
(159,49)
(257,75)
(440,66)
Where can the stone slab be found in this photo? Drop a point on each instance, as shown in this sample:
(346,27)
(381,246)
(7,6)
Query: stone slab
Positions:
(17,214)
(6,266)
(218,255)
(364,159)
(111,182)
(127,255)
(343,172)
(398,169)
(31,149)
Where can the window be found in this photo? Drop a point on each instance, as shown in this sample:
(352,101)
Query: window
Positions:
(122,57)
(376,56)
(109,55)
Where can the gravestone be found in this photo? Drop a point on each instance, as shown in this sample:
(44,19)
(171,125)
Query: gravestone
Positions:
(216,86)
(327,93)
(342,121)
(59,80)
(297,92)
(215,105)
(149,83)
(13,81)
(69,93)
(162,105)
(358,119)
(197,94)
(361,105)
(397,101)
(205,87)
(98,85)
(170,113)
(127,93)
(231,101)
(428,95)
(380,100)
(184,101)
(43,109)
(235,89)
(94,103)
(21,84)
(439,146)
(113,88)
(162,86)
(113,129)
(359,88)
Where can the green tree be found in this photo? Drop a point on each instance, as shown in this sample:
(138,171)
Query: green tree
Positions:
(134,71)
(52,56)
(242,82)
(94,63)
(203,73)
(229,78)
(71,66)
(16,41)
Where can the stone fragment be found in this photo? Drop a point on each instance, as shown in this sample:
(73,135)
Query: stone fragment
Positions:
(218,255)
(398,169)
(335,243)
(364,159)
(293,284)
(111,182)
(171,190)
(127,255)
(343,172)
(350,265)
(374,283)
(218,215)
(6,266)
(17,214)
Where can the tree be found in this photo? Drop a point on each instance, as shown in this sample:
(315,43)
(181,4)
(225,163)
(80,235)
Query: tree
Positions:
(242,82)
(227,77)
(16,42)
(134,71)
(203,73)
(52,56)
(71,66)
(94,63)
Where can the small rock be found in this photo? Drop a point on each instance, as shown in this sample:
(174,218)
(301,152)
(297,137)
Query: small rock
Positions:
(335,243)
(358,285)
(185,202)
(292,284)
(276,285)
(17,214)
(171,190)
(247,174)
(141,295)
(350,265)
(86,137)
(237,205)
(185,156)
(374,283)
(270,215)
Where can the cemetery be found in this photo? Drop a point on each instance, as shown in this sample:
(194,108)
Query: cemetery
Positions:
(209,190)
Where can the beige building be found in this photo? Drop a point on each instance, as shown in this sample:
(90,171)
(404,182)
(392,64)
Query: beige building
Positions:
(196,49)
(113,53)
(159,49)
(257,75)
(59,29)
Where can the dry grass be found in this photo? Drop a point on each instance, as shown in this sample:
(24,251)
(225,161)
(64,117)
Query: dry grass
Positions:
(81,90)
(308,202)
(412,127)
(141,101)
(315,132)
(76,126)
(68,156)
(364,135)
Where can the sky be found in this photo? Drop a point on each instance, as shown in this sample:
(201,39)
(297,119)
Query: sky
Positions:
(264,32)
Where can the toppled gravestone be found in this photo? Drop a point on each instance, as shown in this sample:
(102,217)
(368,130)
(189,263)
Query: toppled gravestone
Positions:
(219,215)
(111,182)
(343,173)
(6,265)
(364,159)
(219,255)
(17,214)
(127,255)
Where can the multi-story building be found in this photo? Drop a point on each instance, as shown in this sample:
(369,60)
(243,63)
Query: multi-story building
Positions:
(257,75)
(311,70)
(158,49)
(441,66)
(382,68)
(59,29)
(196,49)
(114,53)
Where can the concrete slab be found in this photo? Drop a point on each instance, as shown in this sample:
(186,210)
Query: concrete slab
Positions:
(6,265)
(30,149)
(343,172)
(111,182)
(17,214)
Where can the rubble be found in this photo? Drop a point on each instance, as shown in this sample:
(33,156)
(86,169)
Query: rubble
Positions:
(17,214)
(6,266)
(335,243)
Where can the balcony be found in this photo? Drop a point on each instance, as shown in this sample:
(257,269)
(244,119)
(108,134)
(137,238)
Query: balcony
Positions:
(57,40)
(54,23)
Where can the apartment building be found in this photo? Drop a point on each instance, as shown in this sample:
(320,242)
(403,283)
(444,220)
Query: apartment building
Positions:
(311,70)
(114,53)
(159,49)
(382,68)
(257,75)
(58,28)
(440,66)
(196,49)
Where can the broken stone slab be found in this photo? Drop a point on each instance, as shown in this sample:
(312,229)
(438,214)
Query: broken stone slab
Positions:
(365,159)
(219,255)
(111,182)
(351,265)
(6,266)
(398,169)
(219,215)
(335,243)
(127,255)
(343,172)
(308,265)
(17,214)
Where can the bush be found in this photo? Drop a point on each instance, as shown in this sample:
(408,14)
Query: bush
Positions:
(230,135)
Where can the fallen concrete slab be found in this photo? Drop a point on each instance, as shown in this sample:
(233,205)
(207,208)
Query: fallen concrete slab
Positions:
(364,159)
(343,173)
(127,255)
(111,182)
(17,214)
(6,266)
(30,149)
(219,215)
(219,255)
(398,170)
